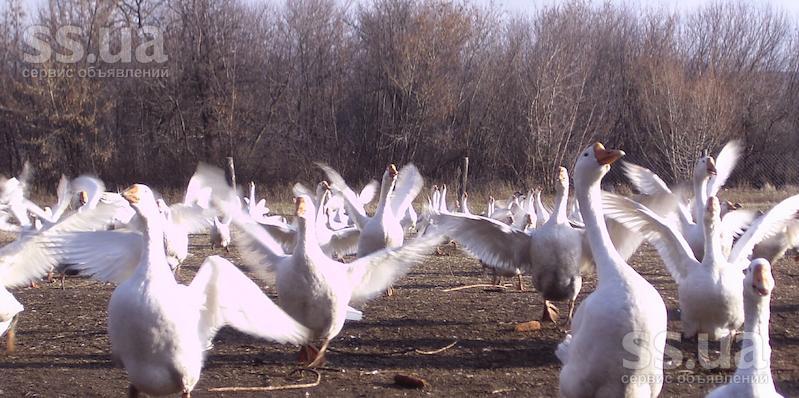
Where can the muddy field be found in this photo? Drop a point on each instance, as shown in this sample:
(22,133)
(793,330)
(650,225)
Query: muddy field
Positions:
(63,350)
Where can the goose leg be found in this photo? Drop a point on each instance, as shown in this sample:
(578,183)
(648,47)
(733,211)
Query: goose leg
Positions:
(63,277)
(550,313)
(521,283)
(133,392)
(320,355)
(11,336)
(185,394)
(496,279)
(571,312)
(308,354)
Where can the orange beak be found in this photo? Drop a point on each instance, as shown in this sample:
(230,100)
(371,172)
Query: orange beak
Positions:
(392,170)
(762,280)
(132,194)
(711,166)
(83,197)
(300,206)
(606,156)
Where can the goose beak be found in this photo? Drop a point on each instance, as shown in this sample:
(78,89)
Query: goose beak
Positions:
(300,206)
(762,280)
(606,156)
(392,170)
(83,197)
(325,185)
(711,166)
(132,194)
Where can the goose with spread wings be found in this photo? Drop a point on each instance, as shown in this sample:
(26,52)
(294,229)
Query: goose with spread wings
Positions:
(315,289)
(709,290)
(159,329)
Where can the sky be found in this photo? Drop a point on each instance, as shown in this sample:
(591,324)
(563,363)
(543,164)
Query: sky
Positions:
(514,7)
(521,6)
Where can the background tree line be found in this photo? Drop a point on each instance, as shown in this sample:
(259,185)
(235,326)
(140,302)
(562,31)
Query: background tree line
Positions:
(279,85)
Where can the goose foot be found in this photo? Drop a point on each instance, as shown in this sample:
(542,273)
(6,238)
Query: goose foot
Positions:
(550,312)
(390,291)
(439,252)
(185,394)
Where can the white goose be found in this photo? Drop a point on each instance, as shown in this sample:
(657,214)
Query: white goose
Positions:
(753,377)
(709,176)
(596,360)
(553,254)
(220,233)
(315,289)
(383,229)
(710,290)
(159,329)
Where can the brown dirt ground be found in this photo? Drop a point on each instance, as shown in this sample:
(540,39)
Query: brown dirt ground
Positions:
(63,349)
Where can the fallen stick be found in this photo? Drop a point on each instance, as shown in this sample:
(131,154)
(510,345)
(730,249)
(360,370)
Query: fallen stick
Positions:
(455,289)
(272,388)
(440,350)
(396,352)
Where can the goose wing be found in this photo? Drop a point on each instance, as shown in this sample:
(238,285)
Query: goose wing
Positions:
(644,180)
(257,247)
(372,274)
(493,242)
(409,184)
(665,236)
(232,299)
(774,221)
(725,163)
(33,255)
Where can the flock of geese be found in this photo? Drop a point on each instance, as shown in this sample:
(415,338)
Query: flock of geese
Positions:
(160,330)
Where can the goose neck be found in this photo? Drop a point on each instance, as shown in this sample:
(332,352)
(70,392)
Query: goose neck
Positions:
(560,215)
(755,347)
(154,252)
(608,261)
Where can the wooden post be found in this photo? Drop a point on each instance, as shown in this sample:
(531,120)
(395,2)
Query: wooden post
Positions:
(464,177)
(230,172)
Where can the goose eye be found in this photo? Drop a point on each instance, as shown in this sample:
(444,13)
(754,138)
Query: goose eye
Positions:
(585,154)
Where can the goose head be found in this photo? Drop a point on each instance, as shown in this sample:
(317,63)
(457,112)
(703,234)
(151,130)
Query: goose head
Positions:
(594,162)
(388,183)
(304,208)
(563,180)
(758,281)
(83,197)
(704,168)
(141,198)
